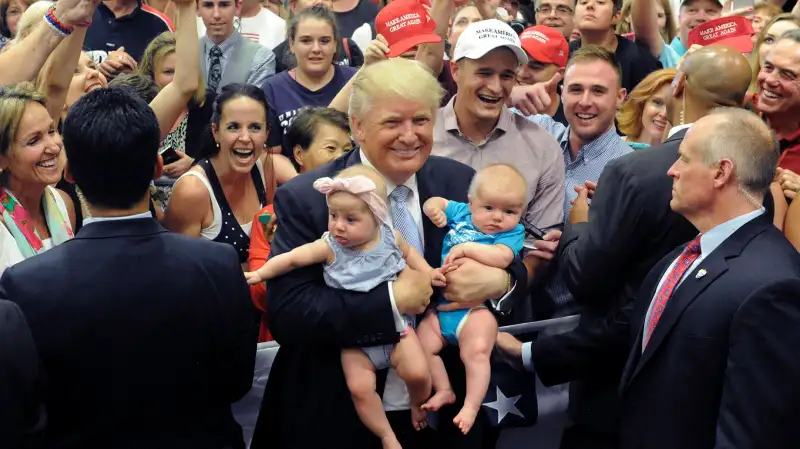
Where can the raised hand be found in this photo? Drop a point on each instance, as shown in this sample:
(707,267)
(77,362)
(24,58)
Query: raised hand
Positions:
(376,51)
(75,13)
(539,98)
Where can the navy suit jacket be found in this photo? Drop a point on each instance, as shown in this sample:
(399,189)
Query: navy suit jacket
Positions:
(307,404)
(20,379)
(721,369)
(147,337)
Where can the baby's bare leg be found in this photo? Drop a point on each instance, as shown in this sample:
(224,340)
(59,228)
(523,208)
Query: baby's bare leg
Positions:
(430,336)
(411,365)
(360,376)
(476,342)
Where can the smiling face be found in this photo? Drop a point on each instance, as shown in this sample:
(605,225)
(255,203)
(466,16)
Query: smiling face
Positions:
(350,221)
(85,79)
(396,135)
(485,84)
(314,46)
(35,158)
(654,115)
(591,97)
(241,133)
(535,72)
(779,80)
(218,17)
(694,13)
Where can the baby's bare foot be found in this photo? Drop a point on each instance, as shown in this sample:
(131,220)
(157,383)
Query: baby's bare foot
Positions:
(418,418)
(465,418)
(439,400)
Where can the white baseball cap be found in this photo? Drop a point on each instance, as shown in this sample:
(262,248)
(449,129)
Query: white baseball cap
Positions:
(482,37)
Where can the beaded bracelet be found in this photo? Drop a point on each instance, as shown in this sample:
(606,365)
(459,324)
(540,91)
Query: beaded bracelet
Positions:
(56,24)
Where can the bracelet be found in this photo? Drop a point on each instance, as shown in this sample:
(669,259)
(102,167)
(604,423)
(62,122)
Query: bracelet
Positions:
(508,282)
(56,24)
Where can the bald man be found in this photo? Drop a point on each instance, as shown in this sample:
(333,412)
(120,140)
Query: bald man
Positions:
(605,260)
(714,331)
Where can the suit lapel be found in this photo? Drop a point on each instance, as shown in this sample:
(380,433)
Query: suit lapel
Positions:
(695,282)
(433,235)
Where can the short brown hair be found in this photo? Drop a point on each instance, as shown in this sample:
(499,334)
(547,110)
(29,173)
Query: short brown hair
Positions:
(592,53)
(766,8)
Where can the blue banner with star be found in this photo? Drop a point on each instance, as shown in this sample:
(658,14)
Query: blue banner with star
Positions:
(511,397)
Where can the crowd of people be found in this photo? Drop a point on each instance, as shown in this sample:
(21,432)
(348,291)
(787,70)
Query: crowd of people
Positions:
(379,187)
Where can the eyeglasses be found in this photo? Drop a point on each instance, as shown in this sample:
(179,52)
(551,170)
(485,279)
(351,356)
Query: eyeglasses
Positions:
(561,10)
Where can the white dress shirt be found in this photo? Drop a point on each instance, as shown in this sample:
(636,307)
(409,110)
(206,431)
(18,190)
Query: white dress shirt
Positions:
(395,393)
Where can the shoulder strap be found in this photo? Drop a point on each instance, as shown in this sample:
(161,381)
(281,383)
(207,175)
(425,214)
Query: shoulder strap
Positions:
(346,46)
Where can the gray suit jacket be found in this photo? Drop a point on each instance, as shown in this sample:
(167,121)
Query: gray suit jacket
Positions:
(238,67)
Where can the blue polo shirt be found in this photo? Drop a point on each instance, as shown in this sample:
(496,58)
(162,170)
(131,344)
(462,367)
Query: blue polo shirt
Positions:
(133,31)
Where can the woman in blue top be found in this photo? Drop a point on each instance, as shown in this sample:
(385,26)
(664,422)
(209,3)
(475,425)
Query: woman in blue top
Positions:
(642,119)
(313,37)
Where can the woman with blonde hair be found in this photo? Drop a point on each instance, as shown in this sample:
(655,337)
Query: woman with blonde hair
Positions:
(666,20)
(37,216)
(654,25)
(642,119)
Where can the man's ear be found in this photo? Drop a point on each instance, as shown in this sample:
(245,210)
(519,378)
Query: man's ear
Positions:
(159,168)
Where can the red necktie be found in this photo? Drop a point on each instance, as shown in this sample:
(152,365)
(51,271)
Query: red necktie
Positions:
(685,260)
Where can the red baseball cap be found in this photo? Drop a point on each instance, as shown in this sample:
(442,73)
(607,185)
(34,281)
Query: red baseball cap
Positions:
(545,44)
(405,24)
(733,31)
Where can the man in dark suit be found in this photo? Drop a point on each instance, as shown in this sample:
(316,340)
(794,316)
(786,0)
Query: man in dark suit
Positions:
(604,257)
(716,324)
(307,404)
(20,376)
(147,337)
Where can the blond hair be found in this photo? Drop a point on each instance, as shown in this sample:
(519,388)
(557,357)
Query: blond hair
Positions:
(154,55)
(491,172)
(629,116)
(13,101)
(393,79)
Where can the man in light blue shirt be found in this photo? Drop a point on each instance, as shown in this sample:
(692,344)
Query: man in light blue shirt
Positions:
(691,14)
(591,96)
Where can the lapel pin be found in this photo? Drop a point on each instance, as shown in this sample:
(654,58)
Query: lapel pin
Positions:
(700,273)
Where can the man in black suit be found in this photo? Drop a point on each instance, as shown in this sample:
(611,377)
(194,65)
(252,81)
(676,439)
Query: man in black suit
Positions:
(307,404)
(630,227)
(20,376)
(147,337)
(716,325)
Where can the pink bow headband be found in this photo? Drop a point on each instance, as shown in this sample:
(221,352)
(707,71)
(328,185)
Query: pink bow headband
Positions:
(358,185)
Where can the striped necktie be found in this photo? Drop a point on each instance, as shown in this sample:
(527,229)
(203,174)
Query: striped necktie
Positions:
(401,217)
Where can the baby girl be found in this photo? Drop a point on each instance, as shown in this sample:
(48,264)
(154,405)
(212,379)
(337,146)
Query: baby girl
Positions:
(487,230)
(359,252)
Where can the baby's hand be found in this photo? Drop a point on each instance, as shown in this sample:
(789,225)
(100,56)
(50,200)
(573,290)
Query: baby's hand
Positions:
(437,278)
(437,216)
(456,252)
(253,277)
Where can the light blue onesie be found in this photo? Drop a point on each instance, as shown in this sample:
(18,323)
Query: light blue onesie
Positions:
(459,219)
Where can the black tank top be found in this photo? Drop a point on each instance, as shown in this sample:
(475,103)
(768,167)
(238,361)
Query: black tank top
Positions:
(230,230)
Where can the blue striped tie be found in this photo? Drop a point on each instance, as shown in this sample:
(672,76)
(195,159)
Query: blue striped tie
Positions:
(401,217)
